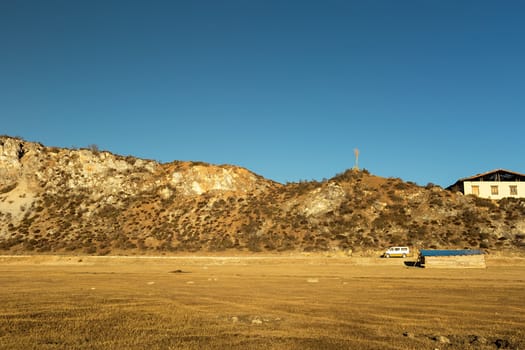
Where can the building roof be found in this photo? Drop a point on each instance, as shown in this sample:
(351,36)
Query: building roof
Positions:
(449,252)
(493,175)
(504,175)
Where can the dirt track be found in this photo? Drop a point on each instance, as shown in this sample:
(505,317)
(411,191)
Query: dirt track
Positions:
(309,259)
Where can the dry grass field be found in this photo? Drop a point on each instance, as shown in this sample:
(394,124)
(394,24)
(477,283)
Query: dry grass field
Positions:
(257,303)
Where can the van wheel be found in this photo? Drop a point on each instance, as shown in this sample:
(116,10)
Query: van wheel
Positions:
(404,255)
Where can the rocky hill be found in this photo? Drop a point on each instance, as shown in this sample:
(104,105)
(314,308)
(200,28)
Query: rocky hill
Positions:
(86,201)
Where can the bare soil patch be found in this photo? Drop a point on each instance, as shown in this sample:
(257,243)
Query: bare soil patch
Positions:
(257,303)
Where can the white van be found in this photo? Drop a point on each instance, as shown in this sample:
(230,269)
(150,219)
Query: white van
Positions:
(400,252)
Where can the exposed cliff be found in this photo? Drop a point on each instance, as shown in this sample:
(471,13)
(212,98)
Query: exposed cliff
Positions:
(88,201)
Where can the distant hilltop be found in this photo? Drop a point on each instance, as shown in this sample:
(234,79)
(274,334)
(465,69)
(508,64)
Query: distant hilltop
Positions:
(87,201)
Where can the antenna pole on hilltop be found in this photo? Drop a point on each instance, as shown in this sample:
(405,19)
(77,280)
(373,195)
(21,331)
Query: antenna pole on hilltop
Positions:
(356,153)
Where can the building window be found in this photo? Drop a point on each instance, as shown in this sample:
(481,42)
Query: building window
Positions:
(475,190)
(494,190)
(513,190)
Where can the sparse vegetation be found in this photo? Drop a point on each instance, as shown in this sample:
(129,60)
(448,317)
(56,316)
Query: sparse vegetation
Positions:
(91,205)
(8,188)
(94,148)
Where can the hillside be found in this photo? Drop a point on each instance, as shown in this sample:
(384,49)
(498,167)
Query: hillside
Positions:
(86,201)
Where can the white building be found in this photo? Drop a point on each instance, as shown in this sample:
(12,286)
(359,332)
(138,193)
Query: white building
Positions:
(495,184)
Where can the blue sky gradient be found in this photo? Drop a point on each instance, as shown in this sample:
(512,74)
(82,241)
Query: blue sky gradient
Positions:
(429,91)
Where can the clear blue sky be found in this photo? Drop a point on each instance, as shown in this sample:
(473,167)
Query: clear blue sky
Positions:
(429,91)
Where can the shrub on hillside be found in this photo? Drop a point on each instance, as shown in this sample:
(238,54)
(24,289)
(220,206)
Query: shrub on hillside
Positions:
(484,202)
(8,188)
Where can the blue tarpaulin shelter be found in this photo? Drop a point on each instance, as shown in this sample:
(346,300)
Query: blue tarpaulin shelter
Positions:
(449,252)
(450,258)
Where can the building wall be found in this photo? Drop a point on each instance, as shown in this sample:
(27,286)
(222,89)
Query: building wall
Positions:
(459,261)
(485,189)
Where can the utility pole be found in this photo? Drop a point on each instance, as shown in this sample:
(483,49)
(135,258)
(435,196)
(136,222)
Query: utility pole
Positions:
(356,153)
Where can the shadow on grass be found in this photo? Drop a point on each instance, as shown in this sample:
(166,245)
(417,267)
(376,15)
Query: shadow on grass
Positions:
(412,264)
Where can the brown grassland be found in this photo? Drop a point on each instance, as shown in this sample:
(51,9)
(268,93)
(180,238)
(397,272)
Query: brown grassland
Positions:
(292,302)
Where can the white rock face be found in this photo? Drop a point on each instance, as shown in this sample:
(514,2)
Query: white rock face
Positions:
(11,152)
(199,179)
(52,170)
(323,200)
(102,174)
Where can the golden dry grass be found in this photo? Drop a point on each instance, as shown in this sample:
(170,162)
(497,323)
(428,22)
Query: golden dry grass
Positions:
(242,303)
